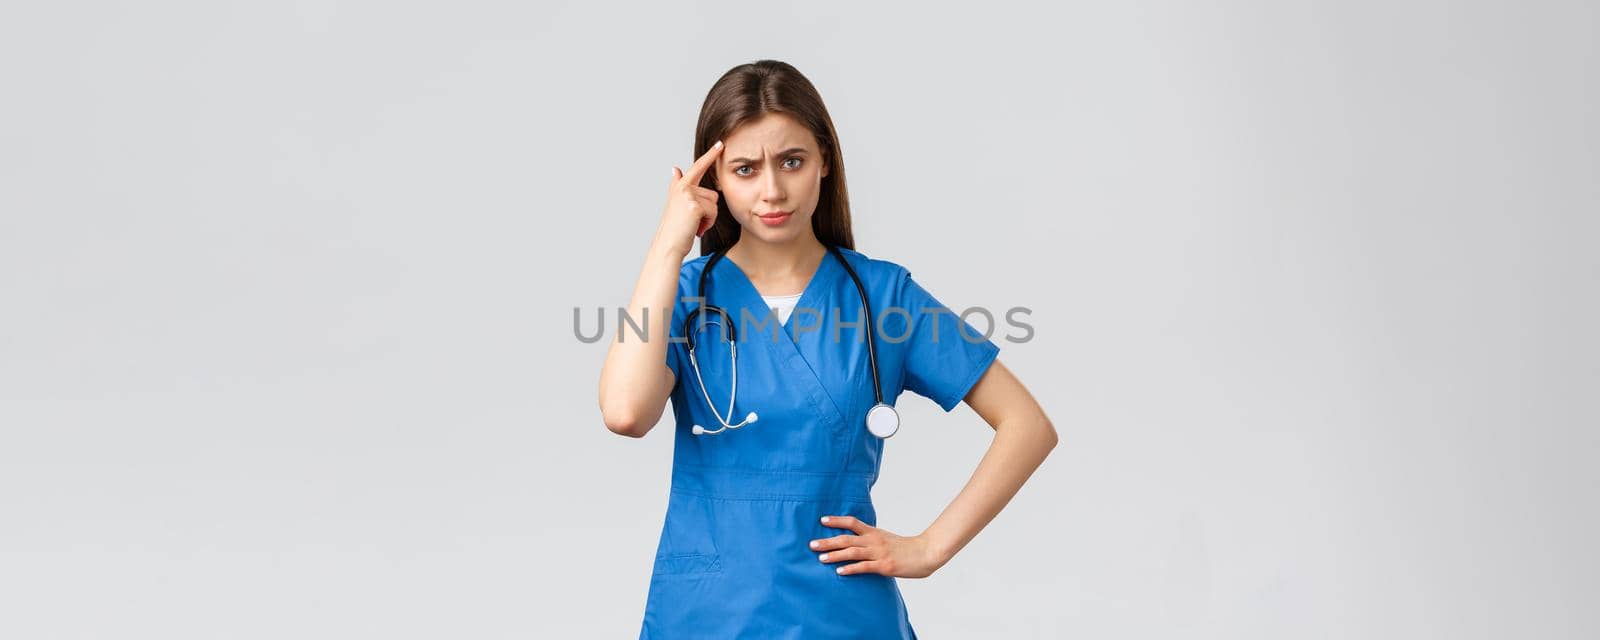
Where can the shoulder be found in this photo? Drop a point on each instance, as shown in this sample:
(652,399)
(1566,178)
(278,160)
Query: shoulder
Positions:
(893,282)
(876,270)
(691,268)
(688,285)
(689,273)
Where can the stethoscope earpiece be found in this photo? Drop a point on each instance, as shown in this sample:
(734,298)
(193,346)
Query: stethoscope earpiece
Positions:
(882,419)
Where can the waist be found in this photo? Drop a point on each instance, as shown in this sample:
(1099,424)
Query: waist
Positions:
(773,484)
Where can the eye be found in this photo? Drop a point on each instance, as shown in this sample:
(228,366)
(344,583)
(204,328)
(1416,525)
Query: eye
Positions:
(797,162)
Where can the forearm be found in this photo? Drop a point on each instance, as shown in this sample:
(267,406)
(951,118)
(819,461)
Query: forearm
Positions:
(1020,444)
(634,366)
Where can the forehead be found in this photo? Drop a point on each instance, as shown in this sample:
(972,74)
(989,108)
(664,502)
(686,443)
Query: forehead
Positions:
(771,133)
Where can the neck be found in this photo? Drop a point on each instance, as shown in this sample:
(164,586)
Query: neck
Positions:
(764,260)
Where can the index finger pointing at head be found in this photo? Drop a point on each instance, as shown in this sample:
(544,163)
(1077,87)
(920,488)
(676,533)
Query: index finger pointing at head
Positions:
(704,162)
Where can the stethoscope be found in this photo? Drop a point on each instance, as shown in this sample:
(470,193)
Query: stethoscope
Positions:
(882,419)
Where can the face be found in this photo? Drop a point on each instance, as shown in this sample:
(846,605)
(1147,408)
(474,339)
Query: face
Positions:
(769,166)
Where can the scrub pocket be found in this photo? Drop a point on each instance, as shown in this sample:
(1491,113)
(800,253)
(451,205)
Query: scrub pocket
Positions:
(687,546)
(687,564)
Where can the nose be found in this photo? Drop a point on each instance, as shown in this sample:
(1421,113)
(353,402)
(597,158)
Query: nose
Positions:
(772,186)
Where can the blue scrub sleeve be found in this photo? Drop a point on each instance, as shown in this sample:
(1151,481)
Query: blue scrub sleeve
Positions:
(673,359)
(945,355)
(677,352)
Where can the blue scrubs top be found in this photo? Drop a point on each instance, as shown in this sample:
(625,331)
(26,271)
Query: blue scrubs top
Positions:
(733,559)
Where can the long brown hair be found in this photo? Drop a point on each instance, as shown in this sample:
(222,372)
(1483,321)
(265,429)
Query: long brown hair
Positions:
(746,93)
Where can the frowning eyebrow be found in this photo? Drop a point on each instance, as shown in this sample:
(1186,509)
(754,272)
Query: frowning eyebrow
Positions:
(786,152)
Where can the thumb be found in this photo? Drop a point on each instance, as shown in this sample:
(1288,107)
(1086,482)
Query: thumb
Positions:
(676,174)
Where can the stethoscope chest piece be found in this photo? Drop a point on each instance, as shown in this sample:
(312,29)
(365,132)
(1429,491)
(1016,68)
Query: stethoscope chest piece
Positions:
(883,420)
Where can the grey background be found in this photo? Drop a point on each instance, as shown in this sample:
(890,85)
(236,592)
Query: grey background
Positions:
(287,289)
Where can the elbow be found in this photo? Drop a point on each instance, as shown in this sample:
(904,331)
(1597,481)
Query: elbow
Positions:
(1050,438)
(619,416)
(622,424)
(625,422)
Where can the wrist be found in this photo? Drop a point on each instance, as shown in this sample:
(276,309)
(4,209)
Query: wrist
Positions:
(940,551)
(663,249)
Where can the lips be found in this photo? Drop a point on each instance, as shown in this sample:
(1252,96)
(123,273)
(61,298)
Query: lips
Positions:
(776,214)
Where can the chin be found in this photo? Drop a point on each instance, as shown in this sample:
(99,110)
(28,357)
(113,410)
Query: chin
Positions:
(775,236)
(789,231)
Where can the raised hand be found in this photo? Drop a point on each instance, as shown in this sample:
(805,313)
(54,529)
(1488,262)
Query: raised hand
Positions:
(690,207)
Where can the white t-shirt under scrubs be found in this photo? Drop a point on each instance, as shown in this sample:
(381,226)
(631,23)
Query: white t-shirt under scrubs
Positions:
(783,305)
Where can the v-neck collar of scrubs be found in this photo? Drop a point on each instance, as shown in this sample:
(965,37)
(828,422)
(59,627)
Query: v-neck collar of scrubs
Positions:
(751,298)
(802,373)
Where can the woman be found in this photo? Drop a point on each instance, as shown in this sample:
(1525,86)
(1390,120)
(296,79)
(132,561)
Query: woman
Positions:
(770,530)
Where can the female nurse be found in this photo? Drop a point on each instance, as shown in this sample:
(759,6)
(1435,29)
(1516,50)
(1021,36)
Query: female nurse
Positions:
(770,530)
